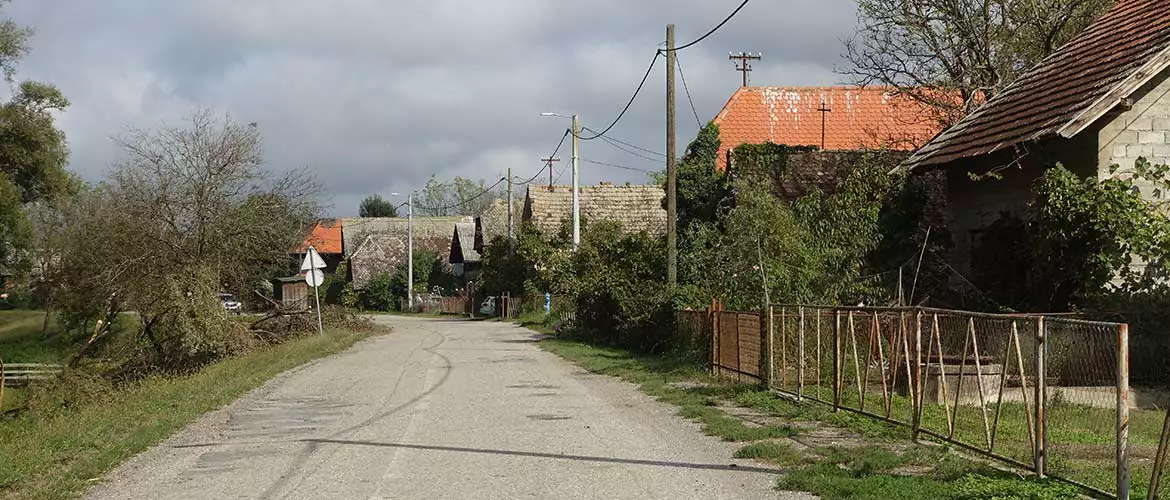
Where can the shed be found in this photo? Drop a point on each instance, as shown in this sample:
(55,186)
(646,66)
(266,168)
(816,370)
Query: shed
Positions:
(291,293)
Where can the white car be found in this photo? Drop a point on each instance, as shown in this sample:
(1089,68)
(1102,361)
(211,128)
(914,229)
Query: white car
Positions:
(230,304)
(488,307)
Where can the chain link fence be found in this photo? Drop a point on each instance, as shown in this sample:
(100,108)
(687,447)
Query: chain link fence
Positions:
(1049,394)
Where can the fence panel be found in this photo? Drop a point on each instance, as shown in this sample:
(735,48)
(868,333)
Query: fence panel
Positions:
(1047,394)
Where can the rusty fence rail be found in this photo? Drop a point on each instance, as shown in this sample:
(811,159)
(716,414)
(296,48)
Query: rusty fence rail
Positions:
(1047,394)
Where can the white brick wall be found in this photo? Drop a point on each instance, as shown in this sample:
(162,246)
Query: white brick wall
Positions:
(1141,132)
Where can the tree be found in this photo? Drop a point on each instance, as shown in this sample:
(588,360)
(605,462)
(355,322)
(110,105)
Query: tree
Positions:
(189,212)
(460,196)
(376,206)
(33,153)
(953,55)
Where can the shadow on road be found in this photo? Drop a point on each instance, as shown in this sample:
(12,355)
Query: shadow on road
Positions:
(631,461)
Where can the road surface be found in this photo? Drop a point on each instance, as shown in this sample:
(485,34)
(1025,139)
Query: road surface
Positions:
(441,409)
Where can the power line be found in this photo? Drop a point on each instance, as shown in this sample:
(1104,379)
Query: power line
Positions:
(688,90)
(464,201)
(624,143)
(623,167)
(628,104)
(716,28)
(547,165)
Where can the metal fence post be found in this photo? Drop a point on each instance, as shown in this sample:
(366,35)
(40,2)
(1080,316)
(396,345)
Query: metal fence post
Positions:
(713,319)
(1041,420)
(800,358)
(1123,412)
(784,347)
(837,362)
(916,400)
(770,347)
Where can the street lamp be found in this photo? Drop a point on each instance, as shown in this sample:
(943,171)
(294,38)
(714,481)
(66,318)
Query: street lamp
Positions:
(409,250)
(576,178)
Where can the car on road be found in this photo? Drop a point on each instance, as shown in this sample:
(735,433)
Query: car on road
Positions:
(488,307)
(230,304)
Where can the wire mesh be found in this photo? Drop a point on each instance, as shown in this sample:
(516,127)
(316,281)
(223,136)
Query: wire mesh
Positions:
(1039,392)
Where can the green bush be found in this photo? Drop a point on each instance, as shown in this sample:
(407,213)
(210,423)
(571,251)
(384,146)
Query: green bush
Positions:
(378,295)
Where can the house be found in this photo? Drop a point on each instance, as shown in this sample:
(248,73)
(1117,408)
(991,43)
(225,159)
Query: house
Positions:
(839,124)
(1101,100)
(635,207)
(325,236)
(466,249)
(375,245)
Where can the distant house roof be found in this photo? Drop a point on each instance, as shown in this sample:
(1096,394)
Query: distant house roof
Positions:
(1069,90)
(355,230)
(637,208)
(464,249)
(325,237)
(860,118)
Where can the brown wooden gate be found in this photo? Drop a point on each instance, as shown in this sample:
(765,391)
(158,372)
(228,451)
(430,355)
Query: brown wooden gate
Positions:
(738,338)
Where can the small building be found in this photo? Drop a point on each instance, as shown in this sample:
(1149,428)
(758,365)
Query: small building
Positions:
(375,245)
(291,293)
(466,249)
(325,236)
(1101,100)
(635,207)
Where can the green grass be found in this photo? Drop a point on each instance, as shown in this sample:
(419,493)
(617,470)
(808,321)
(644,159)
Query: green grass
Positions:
(777,453)
(871,472)
(56,455)
(21,340)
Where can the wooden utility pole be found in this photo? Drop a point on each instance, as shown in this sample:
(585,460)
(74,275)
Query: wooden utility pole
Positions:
(671,167)
(823,109)
(549,162)
(510,233)
(744,63)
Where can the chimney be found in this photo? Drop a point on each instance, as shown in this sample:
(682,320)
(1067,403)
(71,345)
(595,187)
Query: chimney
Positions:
(606,183)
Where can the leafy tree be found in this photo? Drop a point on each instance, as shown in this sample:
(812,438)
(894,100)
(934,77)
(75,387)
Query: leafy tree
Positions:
(376,206)
(974,48)
(33,153)
(459,196)
(701,186)
(188,212)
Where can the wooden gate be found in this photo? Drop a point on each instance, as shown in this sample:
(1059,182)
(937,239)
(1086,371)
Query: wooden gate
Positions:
(738,337)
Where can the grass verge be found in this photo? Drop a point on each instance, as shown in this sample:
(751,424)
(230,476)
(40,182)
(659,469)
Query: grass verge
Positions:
(57,456)
(870,472)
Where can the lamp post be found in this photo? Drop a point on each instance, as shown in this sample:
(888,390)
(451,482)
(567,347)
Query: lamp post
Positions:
(409,250)
(576,130)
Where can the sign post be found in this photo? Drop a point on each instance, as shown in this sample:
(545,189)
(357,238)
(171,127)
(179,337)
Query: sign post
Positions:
(314,277)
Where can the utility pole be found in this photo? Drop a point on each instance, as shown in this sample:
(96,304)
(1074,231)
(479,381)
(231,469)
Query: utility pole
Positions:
(671,167)
(510,205)
(744,63)
(550,162)
(410,252)
(824,109)
(576,180)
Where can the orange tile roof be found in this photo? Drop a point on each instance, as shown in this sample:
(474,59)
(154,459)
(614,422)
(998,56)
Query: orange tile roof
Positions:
(325,237)
(861,118)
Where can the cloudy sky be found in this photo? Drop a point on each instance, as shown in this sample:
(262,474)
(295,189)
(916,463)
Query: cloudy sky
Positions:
(378,95)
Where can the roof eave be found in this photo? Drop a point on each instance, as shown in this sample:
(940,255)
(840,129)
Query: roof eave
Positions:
(1136,80)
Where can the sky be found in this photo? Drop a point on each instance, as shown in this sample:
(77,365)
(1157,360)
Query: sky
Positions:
(376,96)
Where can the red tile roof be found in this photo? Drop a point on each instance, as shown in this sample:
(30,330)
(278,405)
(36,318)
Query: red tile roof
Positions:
(861,118)
(1070,89)
(325,237)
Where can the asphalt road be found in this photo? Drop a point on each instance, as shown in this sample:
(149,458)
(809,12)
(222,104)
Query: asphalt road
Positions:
(441,409)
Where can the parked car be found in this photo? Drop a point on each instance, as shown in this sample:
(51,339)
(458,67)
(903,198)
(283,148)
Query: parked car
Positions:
(230,304)
(488,307)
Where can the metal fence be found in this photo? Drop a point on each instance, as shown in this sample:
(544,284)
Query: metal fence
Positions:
(1046,394)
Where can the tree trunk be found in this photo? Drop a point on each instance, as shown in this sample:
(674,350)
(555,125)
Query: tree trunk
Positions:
(48,315)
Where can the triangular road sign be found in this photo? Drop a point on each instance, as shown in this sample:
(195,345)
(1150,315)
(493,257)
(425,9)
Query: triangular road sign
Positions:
(312,260)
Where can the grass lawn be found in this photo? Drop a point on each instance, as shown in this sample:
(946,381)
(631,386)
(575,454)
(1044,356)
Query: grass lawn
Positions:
(872,472)
(57,456)
(21,340)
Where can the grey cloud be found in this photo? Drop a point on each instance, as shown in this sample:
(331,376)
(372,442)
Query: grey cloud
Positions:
(377,96)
